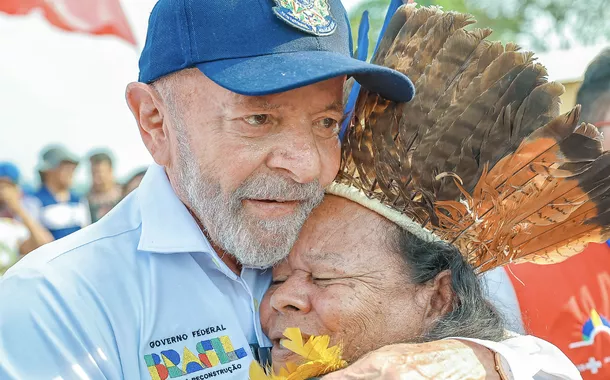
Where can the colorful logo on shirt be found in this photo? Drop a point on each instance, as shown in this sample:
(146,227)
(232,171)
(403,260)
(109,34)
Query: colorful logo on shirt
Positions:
(591,328)
(210,353)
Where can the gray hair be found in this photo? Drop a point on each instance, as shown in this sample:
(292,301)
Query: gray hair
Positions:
(472,315)
(165,86)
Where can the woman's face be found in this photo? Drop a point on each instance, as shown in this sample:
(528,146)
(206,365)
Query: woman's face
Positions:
(343,279)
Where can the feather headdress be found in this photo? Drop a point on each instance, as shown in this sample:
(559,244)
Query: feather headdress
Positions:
(480,158)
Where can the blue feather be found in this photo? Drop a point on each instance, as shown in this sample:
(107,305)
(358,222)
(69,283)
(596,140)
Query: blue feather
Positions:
(363,47)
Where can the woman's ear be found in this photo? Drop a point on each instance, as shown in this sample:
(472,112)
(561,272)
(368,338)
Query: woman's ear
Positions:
(441,298)
(148,109)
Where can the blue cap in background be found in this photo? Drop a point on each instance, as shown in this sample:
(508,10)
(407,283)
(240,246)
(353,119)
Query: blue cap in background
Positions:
(261,47)
(9,171)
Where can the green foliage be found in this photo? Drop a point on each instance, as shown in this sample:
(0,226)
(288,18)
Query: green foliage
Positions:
(536,24)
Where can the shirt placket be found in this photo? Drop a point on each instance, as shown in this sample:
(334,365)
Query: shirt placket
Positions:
(248,280)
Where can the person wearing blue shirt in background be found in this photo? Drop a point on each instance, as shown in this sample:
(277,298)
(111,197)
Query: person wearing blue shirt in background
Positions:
(60,210)
(20,233)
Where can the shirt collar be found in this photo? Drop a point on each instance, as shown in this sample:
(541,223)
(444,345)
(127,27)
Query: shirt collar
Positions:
(167,225)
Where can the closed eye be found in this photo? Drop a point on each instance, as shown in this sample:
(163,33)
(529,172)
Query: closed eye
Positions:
(323,279)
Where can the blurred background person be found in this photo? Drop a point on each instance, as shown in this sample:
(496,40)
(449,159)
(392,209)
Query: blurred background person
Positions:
(133,182)
(594,95)
(105,192)
(20,232)
(567,304)
(60,210)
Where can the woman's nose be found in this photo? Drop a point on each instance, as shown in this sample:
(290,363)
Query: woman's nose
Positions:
(291,295)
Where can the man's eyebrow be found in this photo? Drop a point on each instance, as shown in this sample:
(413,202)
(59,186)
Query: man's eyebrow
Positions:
(261,103)
(256,102)
(335,106)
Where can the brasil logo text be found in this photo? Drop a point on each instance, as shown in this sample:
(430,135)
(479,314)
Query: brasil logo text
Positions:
(210,353)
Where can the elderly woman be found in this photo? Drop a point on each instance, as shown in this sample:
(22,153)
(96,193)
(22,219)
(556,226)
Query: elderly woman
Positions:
(479,170)
(367,283)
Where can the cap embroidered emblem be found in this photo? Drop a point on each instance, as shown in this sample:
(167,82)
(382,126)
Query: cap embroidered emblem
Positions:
(311,16)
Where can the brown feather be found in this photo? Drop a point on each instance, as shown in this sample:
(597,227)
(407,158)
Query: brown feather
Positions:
(403,13)
(450,133)
(399,52)
(480,157)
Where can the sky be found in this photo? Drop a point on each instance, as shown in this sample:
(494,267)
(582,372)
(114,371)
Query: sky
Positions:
(69,88)
(59,87)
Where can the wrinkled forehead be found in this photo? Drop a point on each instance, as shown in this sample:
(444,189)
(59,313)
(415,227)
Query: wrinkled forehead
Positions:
(192,84)
(340,231)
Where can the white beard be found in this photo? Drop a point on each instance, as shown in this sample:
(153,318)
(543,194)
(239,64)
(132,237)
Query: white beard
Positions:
(253,242)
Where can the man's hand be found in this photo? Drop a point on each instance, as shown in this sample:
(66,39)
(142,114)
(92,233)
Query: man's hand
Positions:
(10,195)
(439,360)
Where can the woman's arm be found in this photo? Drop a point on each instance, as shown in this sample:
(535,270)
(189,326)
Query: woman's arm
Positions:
(520,358)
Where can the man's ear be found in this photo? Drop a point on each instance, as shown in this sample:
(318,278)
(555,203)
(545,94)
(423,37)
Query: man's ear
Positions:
(440,301)
(147,107)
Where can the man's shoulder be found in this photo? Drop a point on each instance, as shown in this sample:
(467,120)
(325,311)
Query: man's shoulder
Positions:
(42,195)
(80,295)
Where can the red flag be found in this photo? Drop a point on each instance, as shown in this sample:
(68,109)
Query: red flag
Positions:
(87,16)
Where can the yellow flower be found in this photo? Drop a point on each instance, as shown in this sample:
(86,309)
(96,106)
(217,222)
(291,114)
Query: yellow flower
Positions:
(319,359)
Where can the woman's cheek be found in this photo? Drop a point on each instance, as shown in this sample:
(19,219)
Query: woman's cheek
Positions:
(330,308)
(266,311)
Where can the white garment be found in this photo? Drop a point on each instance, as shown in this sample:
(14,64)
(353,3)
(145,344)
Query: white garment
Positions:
(526,357)
(502,295)
(141,294)
(545,361)
(13,234)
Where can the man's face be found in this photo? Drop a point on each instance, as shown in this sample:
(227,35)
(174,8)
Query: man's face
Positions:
(344,279)
(252,168)
(62,175)
(5,183)
(101,174)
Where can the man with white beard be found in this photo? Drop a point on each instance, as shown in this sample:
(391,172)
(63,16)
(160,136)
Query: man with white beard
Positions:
(239,105)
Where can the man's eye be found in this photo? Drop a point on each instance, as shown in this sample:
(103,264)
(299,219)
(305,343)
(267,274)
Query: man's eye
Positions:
(327,123)
(278,282)
(257,120)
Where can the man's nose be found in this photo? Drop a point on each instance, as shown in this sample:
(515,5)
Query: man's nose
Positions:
(296,153)
(291,296)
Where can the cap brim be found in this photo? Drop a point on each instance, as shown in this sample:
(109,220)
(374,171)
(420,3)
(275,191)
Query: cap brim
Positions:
(271,74)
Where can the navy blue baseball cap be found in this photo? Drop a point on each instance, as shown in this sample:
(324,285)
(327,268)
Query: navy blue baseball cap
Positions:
(261,47)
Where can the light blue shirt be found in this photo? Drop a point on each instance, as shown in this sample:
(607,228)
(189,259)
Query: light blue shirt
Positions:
(140,294)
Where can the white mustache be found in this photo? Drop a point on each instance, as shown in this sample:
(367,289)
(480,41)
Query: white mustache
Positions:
(277,188)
